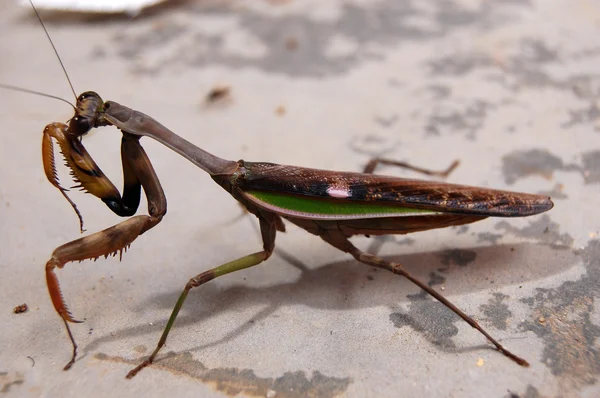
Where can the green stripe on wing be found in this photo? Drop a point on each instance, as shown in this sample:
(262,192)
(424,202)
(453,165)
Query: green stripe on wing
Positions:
(332,207)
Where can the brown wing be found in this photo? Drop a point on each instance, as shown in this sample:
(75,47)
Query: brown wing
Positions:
(418,194)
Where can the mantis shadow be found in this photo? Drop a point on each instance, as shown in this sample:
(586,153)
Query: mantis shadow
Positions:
(348,285)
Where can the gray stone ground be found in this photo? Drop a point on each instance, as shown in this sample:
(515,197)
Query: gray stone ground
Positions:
(511,88)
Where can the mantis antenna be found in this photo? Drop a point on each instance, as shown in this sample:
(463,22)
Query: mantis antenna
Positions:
(54,48)
(28,91)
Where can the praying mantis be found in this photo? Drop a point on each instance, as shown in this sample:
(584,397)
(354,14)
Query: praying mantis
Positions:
(331,205)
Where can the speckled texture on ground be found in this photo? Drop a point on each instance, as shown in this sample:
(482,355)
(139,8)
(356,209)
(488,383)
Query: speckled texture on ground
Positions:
(511,88)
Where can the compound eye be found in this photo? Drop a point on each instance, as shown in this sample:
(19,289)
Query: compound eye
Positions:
(86,95)
(80,125)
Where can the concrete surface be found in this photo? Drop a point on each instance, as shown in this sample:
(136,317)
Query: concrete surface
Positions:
(511,88)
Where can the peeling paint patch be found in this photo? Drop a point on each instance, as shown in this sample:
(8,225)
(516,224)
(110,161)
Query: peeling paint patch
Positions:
(587,115)
(467,119)
(463,229)
(8,380)
(340,46)
(568,333)
(378,241)
(429,317)
(537,52)
(521,164)
(233,381)
(586,86)
(542,229)
(591,167)
(439,91)
(458,257)
(435,279)
(405,241)
(555,193)
(530,392)
(515,68)
(458,64)
(497,311)
(365,32)
(372,145)
(387,121)
(489,237)
(161,35)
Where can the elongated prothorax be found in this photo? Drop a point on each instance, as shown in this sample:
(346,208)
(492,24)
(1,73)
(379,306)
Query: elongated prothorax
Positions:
(137,123)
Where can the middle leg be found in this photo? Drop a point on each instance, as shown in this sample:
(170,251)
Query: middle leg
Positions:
(373,163)
(268,229)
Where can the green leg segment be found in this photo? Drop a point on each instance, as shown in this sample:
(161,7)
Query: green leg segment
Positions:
(200,279)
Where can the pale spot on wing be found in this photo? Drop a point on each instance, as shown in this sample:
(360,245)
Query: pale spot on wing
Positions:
(340,192)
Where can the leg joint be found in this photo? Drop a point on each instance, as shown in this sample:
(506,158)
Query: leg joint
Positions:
(53,263)
(200,279)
